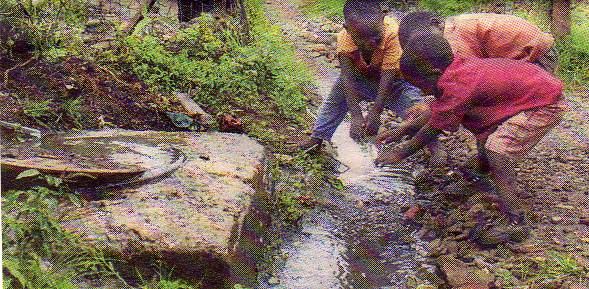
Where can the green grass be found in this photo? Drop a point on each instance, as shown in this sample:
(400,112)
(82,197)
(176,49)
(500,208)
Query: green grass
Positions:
(38,109)
(574,51)
(325,8)
(38,253)
(542,272)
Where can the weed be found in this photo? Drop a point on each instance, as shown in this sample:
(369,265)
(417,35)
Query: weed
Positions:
(53,27)
(538,272)
(326,8)
(225,73)
(71,108)
(37,251)
(38,109)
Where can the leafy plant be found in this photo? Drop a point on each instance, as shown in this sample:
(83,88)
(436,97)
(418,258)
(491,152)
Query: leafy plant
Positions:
(71,108)
(539,271)
(37,251)
(54,27)
(38,109)
(223,70)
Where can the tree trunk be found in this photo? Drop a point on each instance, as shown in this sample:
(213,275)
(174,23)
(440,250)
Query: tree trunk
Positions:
(190,9)
(560,15)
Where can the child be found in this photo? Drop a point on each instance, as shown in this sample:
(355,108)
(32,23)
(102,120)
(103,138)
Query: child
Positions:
(482,35)
(369,52)
(486,35)
(508,104)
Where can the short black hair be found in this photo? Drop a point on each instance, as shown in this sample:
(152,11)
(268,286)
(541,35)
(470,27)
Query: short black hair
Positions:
(362,10)
(424,52)
(414,21)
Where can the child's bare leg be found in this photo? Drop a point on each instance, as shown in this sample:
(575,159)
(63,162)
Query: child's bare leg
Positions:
(504,177)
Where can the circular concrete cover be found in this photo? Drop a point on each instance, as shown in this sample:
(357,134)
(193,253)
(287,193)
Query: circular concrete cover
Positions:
(110,157)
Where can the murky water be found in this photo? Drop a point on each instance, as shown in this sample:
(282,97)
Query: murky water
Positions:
(358,237)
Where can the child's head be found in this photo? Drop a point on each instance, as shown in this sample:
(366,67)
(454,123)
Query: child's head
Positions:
(419,21)
(364,21)
(425,58)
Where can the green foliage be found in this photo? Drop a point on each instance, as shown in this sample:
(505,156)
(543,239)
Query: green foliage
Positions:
(224,73)
(54,27)
(299,177)
(539,272)
(451,7)
(37,252)
(574,50)
(71,108)
(38,110)
(535,13)
(326,8)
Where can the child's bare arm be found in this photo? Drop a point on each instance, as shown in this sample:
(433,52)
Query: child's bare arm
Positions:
(408,128)
(387,83)
(353,97)
(424,136)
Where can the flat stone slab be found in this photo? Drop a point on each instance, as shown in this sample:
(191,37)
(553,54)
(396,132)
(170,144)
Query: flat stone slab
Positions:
(191,217)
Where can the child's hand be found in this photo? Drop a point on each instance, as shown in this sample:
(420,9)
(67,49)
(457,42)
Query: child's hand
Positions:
(372,123)
(390,136)
(387,156)
(382,137)
(415,111)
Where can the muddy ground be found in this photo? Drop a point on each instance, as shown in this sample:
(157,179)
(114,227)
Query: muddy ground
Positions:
(75,94)
(451,209)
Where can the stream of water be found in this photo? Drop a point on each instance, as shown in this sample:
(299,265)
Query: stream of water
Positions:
(358,237)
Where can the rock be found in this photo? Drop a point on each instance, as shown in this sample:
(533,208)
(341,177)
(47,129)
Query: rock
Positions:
(194,110)
(229,123)
(462,275)
(584,221)
(273,281)
(198,218)
(556,219)
(317,48)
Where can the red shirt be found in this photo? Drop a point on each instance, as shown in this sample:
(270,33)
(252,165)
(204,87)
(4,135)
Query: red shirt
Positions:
(482,93)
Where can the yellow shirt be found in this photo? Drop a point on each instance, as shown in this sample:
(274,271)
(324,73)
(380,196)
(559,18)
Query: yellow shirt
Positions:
(386,57)
(487,35)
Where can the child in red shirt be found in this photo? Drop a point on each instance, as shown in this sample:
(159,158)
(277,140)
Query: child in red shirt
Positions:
(508,104)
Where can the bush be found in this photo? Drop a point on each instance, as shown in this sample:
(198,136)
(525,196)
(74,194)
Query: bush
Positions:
(37,252)
(574,51)
(223,71)
(53,27)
